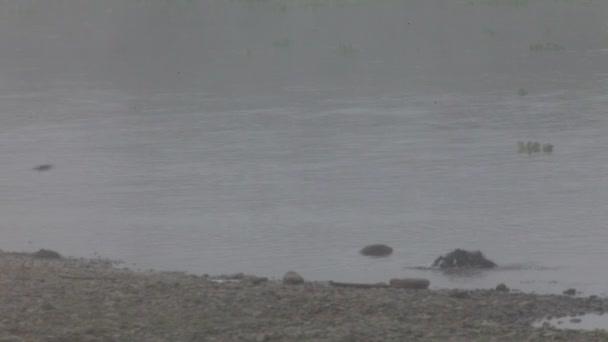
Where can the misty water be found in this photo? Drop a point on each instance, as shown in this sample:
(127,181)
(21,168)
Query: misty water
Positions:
(266,136)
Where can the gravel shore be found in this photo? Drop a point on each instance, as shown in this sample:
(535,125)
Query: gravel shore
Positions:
(65,299)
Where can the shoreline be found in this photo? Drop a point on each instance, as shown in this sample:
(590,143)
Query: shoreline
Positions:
(68,299)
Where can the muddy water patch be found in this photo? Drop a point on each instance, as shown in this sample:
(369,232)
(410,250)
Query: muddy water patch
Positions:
(590,321)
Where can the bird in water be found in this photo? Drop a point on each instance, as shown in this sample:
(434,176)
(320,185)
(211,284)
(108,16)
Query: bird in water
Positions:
(43,167)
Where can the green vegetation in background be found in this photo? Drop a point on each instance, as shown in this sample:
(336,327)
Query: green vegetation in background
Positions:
(282,43)
(489,32)
(314,3)
(283,5)
(513,3)
(539,47)
(533,147)
(347,50)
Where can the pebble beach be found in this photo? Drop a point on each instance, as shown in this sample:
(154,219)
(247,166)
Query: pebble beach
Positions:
(49,298)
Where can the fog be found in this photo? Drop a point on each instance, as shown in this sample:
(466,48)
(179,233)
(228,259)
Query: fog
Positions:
(261,46)
(259,136)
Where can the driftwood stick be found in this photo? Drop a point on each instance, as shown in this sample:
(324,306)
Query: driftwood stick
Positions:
(358,285)
(65,276)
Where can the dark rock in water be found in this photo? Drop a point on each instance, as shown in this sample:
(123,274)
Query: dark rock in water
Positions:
(570,292)
(410,283)
(376,250)
(460,258)
(47,254)
(43,167)
(502,288)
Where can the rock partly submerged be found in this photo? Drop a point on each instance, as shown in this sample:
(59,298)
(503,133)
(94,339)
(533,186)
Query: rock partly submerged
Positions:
(377,250)
(463,259)
(43,167)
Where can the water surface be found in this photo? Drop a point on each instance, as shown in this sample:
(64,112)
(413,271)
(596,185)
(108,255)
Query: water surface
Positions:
(235,137)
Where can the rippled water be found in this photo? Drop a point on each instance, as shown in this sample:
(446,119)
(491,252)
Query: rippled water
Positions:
(302,172)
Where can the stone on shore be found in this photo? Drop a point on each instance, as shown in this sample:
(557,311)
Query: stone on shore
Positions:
(71,299)
(292,278)
(47,254)
(410,283)
(378,250)
(253,280)
(458,294)
(502,288)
